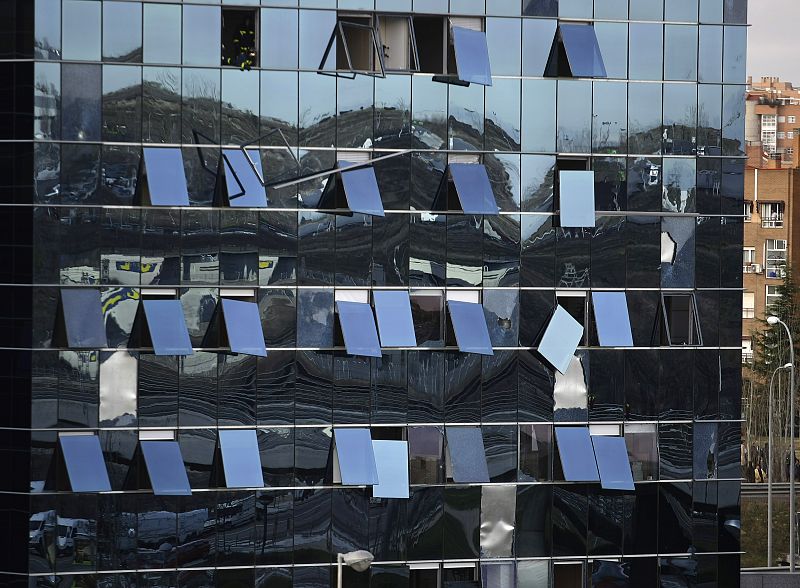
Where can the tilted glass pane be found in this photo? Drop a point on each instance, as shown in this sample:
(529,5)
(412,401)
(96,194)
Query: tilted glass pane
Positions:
(358,328)
(583,51)
(85,465)
(361,189)
(243,325)
(167,327)
(612,319)
(473,188)
(240,459)
(391,459)
(577,454)
(83,318)
(561,339)
(395,323)
(472,56)
(469,325)
(612,462)
(467,455)
(166,179)
(356,456)
(576,198)
(254,196)
(165,468)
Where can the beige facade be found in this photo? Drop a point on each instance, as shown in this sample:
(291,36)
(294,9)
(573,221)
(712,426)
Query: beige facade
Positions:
(772,123)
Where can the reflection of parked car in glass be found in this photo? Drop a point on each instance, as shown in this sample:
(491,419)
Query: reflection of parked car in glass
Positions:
(69,532)
(40,523)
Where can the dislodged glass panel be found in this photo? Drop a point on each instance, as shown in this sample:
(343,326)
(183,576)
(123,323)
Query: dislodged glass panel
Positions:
(466,187)
(498,512)
(679,273)
(472,56)
(354,457)
(395,322)
(358,328)
(466,456)
(83,458)
(391,459)
(577,454)
(243,327)
(165,468)
(576,198)
(162,180)
(80,323)
(612,319)
(582,51)
(166,327)
(243,186)
(241,461)
(560,339)
(361,189)
(469,326)
(611,455)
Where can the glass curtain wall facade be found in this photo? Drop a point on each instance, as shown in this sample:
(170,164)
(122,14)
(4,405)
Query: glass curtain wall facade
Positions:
(504,353)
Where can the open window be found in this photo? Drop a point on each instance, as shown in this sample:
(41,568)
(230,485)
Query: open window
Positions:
(395,322)
(467,324)
(613,464)
(576,454)
(78,464)
(353,458)
(79,320)
(356,189)
(356,323)
(161,178)
(426,455)
(465,187)
(398,42)
(677,322)
(642,442)
(240,37)
(465,459)
(236,324)
(237,461)
(455,49)
(561,338)
(157,465)
(568,574)
(391,460)
(611,319)
(355,45)
(239,180)
(575,53)
(160,325)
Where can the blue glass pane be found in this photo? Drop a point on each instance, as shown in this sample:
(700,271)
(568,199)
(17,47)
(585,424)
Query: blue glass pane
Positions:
(583,52)
(395,323)
(612,319)
(85,465)
(167,327)
(240,459)
(467,454)
(83,318)
(358,328)
(243,325)
(473,188)
(577,455)
(391,458)
(612,462)
(472,56)
(255,196)
(561,338)
(469,326)
(166,180)
(361,189)
(576,198)
(165,468)
(356,456)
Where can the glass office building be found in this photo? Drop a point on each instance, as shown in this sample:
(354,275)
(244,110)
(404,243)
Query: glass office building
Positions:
(456,283)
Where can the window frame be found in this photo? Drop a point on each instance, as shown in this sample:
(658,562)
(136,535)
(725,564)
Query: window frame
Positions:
(770,299)
(338,35)
(780,269)
(694,320)
(748,310)
(772,214)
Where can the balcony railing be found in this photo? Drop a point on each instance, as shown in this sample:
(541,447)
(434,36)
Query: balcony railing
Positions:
(776,272)
(748,313)
(752,268)
(773,221)
(747,356)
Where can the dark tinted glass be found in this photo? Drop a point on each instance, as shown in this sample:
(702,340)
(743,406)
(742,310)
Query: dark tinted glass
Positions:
(81,101)
(467,455)
(165,468)
(85,465)
(83,318)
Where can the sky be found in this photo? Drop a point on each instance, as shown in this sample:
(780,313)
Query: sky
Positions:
(773,39)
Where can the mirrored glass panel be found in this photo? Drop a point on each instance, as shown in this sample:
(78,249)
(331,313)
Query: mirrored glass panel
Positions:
(243,183)
(84,461)
(469,323)
(576,198)
(81,29)
(391,458)
(201,35)
(240,458)
(167,327)
(612,319)
(473,189)
(466,456)
(122,32)
(612,462)
(165,468)
(645,51)
(583,52)
(361,189)
(561,339)
(355,457)
(243,327)
(162,181)
(472,56)
(576,454)
(395,322)
(358,328)
(680,52)
(162,43)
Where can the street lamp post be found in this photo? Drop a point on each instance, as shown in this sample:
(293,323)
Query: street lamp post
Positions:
(769,467)
(358,560)
(774,320)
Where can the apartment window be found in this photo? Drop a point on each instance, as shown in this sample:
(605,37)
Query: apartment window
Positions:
(748,257)
(747,350)
(748,305)
(790,134)
(781,119)
(772,296)
(239,40)
(768,121)
(772,215)
(748,211)
(791,119)
(789,151)
(781,135)
(775,258)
